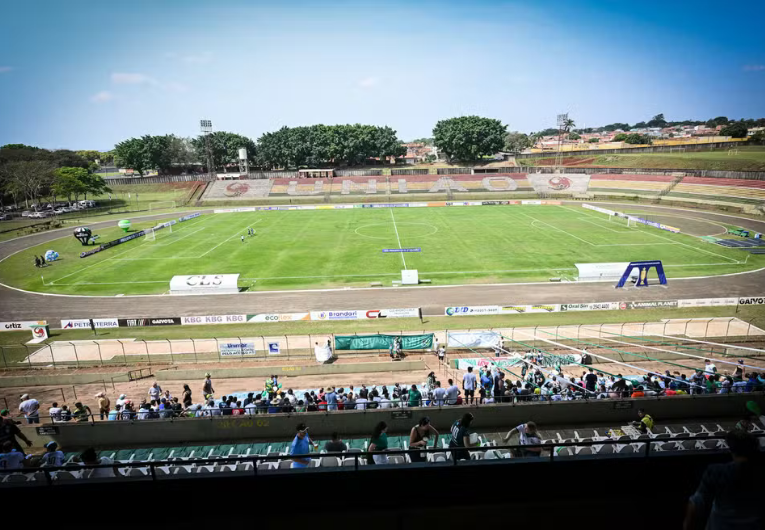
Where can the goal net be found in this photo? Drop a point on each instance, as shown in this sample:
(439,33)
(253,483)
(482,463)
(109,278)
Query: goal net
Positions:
(150,235)
(162,205)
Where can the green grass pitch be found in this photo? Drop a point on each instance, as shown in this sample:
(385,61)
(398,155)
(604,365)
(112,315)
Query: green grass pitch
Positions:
(343,248)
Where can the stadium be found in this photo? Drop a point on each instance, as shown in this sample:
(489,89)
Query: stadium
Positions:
(482,326)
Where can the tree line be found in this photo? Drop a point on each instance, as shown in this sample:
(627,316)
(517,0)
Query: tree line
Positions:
(29,174)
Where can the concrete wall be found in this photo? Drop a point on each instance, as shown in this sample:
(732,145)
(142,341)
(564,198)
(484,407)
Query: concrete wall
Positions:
(490,417)
(58,380)
(265,371)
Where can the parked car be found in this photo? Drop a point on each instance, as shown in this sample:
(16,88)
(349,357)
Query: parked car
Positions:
(26,213)
(38,215)
(5,217)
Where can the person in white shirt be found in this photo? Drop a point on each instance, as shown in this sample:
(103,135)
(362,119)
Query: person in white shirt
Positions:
(212,410)
(709,368)
(121,400)
(361,403)
(439,395)
(452,393)
(54,412)
(90,458)
(468,385)
(385,403)
(251,408)
(155,391)
(435,343)
(30,408)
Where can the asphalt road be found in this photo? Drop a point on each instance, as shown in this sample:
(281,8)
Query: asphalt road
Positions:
(17,305)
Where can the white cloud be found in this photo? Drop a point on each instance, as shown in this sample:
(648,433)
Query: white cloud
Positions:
(194,58)
(133,79)
(102,97)
(754,67)
(368,82)
(5,69)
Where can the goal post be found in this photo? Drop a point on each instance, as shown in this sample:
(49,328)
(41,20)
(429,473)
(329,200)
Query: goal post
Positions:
(161,205)
(150,235)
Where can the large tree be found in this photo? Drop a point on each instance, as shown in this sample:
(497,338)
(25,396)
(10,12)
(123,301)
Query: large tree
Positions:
(734,130)
(658,121)
(515,142)
(30,179)
(225,148)
(131,154)
(469,138)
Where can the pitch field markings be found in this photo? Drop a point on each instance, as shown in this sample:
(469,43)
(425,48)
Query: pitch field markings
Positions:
(731,260)
(385,223)
(403,259)
(238,233)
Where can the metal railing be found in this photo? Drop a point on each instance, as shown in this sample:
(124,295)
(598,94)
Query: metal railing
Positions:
(646,449)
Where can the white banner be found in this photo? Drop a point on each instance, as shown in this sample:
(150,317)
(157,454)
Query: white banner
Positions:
(541,308)
(599,209)
(473,339)
(234,210)
(751,300)
(213,319)
(21,324)
(278,317)
(510,361)
(707,302)
(361,314)
(84,323)
(472,310)
(205,284)
(230,349)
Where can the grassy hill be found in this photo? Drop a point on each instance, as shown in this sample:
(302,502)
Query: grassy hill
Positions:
(748,159)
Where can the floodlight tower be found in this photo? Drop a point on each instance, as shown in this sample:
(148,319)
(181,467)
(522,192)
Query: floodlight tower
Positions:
(206,127)
(562,119)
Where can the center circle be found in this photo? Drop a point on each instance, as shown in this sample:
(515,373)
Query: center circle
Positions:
(413,230)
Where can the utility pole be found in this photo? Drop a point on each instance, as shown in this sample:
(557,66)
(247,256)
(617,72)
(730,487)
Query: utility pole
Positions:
(206,128)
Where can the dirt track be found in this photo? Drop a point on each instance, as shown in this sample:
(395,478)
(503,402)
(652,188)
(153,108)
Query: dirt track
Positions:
(18,305)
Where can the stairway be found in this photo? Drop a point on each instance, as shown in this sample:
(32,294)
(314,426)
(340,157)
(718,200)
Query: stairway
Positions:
(675,181)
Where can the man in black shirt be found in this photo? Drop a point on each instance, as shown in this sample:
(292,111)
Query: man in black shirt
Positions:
(9,431)
(591,381)
(499,387)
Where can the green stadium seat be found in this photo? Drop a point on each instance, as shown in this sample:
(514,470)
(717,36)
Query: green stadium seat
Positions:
(222,450)
(123,455)
(241,449)
(141,455)
(357,443)
(160,453)
(69,456)
(259,448)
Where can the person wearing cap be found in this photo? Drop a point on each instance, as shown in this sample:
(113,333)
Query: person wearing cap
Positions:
(418,439)
(52,456)
(301,447)
(30,408)
(331,398)
(9,431)
(121,401)
(207,388)
(81,412)
(103,405)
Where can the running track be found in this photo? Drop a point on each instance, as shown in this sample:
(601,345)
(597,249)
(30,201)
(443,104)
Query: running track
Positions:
(17,305)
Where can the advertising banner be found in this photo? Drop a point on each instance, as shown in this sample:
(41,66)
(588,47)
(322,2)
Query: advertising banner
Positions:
(512,361)
(411,312)
(213,319)
(144,322)
(541,308)
(707,302)
(273,348)
(21,324)
(188,217)
(751,300)
(595,306)
(205,284)
(383,342)
(658,304)
(84,323)
(278,317)
(417,249)
(473,339)
(472,310)
(230,349)
(598,209)
(234,210)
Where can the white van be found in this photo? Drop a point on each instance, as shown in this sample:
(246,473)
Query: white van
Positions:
(86,204)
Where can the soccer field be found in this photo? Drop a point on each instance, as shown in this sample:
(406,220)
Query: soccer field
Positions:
(344,248)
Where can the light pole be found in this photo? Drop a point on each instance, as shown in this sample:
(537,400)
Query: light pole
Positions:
(206,128)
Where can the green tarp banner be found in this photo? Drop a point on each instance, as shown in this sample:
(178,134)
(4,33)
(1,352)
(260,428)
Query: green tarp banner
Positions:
(383,342)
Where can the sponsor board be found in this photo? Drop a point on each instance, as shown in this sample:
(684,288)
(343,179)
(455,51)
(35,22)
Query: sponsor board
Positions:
(707,302)
(278,317)
(213,319)
(473,339)
(472,310)
(91,252)
(510,361)
(188,217)
(230,349)
(84,323)
(205,284)
(273,348)
(21,324)
(418,249)
(653,304)
(541,308)
(598,209)
(494,203)
(411,312)
(532,203)
(751,300)
(234,210)
(145,322)
(596,306)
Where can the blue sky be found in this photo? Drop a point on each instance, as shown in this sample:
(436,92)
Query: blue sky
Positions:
(85,75)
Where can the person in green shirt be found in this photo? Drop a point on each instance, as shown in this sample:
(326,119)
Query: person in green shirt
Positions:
(415,397)
(81,412)
(379,443)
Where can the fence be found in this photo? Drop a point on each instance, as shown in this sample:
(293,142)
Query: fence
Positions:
(703,146)
(273,347)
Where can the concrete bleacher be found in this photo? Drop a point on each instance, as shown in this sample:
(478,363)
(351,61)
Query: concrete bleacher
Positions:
(715,188)
(565,443)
